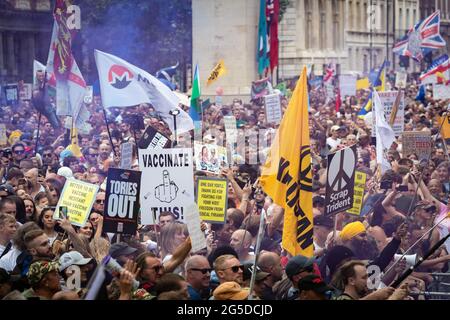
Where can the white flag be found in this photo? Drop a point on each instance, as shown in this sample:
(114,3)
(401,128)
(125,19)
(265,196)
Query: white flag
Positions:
(384,134)
(124,85)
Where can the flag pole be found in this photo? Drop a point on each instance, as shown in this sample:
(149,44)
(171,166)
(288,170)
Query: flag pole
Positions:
(109,133)
(257,249)
(40,114)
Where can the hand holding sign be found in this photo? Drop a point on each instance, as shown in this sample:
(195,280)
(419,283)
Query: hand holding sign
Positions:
(167,191)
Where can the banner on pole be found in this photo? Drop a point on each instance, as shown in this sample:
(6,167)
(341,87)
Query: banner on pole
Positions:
(360,185)
(387,99)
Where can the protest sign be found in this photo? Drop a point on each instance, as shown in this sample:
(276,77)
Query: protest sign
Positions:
(209,157)
(347,85)
(387,99)
(165,174)
(230,129)
(11,94)
(25,91)
(212,199)
(360,184)
(153,139)
(193,222)
(329,89)
(400,79)
(126,155)
(273,108)
(340,180)
(78,197)
(121,201)
(3,136)
(418,143)
(441,91)
(89,96)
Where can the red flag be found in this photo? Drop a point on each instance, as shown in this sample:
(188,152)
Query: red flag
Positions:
(63,45)
(272,13)
(338,100)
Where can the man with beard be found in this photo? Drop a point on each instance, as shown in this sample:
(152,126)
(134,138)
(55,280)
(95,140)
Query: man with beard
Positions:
(354,237)
(352,277)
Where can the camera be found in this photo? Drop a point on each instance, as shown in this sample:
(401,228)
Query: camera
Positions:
(402,188)
(386,184)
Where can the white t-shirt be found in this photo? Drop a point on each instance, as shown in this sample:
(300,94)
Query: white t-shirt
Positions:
(333,143)
(8,261)
(2,248)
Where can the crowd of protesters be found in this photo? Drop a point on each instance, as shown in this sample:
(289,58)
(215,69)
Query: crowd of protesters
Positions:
(43,258)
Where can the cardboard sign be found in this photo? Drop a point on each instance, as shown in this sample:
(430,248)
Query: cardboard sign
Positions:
(230,129)
(212,199)
(209,157)
(78,197)
(126,155)
(418,143)
(153,139)
(340,180)
(387,99)
(122,201)
(441,91)
(25,91)
(347,85)
(329,89)
(166,174)
(360,185)
(198,239)
(273,108)
(400,79)
(3,136)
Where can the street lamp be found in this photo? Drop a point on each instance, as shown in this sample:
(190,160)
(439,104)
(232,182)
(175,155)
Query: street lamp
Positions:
(174,113)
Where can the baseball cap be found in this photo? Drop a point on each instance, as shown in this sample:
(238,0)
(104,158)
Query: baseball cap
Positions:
(335,128)
(323,221)
(8,189)
(248,270)
(65,172)
(296,264)
(313,282)
(39,269)
(72,258)
(121,249)
(230,291)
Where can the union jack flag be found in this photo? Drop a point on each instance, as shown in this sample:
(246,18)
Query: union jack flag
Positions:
(421,39)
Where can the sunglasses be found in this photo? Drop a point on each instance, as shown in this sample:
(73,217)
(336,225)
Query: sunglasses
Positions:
(99,201)
(203,271)
(19,151)
(47,155)
(235,269)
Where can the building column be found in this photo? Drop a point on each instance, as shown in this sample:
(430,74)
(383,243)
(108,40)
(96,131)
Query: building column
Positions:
(11,65)
(329,25)
(315,32)
(1,54)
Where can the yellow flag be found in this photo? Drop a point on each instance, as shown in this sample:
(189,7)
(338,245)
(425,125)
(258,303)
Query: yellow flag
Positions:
(445,122)
(362,83)
(286,176)
(218,70)
(74,147)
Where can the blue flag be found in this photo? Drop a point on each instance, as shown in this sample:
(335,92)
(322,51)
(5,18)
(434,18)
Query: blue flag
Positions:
(263,58)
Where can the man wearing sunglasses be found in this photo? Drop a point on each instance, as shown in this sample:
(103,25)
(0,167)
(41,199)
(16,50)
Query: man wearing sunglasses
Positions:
(229,268)
(99,204)
(18,153)
(198,273)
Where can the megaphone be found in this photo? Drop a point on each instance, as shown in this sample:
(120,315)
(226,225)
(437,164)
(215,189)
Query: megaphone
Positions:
(411,259)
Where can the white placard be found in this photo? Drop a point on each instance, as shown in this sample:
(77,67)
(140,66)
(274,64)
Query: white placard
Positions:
(193,221)
(230,129)
(3,137)
(347,85)
(166,174)
(400,79)
(273,108)
(88,98)
(329,88)
(387,99)
(441,91)
(25,92)
(126,155)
